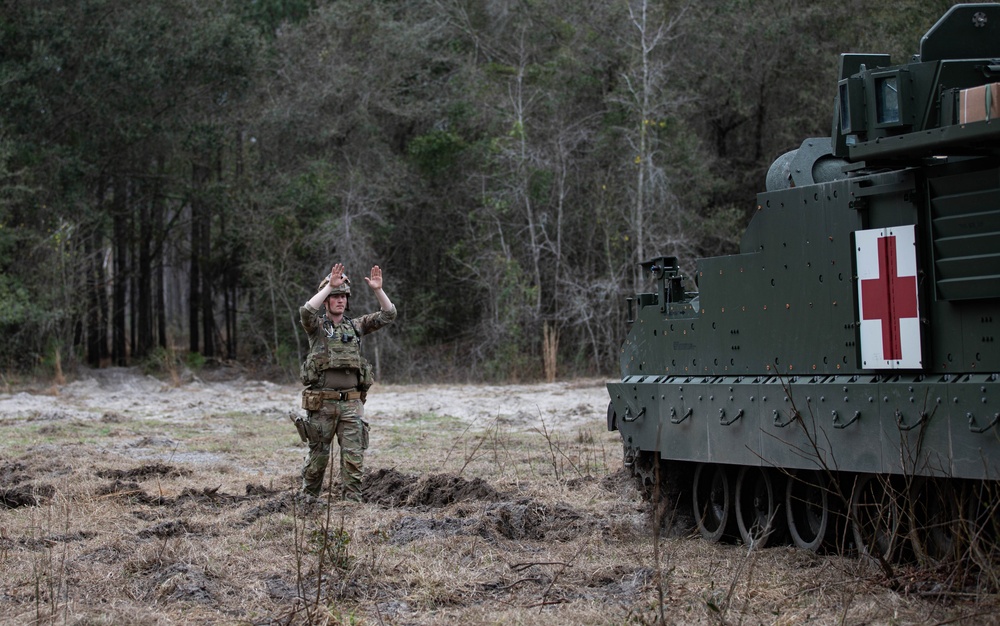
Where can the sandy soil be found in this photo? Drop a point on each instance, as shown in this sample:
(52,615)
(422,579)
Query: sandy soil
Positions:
(561,405)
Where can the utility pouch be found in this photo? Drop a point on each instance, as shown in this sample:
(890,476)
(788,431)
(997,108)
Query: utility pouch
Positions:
(300,426)
(312,400)
(312,369)
(366,376)
(364,435)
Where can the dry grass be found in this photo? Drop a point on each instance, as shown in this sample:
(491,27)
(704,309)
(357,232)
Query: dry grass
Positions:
(142,521)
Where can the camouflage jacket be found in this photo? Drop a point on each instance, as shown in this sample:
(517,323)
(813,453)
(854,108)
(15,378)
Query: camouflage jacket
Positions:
(338,346)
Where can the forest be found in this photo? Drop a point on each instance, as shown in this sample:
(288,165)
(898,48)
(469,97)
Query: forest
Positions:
(176,177)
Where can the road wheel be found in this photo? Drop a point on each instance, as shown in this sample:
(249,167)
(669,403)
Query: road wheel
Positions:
(807,509)
(712,501)
(935,524)
(875,516)
(758,504)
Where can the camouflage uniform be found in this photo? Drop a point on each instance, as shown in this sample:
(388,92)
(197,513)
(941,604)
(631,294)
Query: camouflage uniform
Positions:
(338,411)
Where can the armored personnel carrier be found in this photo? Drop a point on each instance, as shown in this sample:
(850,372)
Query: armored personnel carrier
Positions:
(837,382)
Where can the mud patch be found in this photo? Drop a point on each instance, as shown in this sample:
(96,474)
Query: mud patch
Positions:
(280,589)
(622,581)
(500,518)
(127,491)
(207,495)
(522,520)
(40,543)
(411,528)
(143,472)
(107,554)
(182,582)
(532,520)
(271,506)
(259,490)
(170,528)
(16,488)
(387,487)
(619,482)
(12,473)
(390,488)
(441,490)
(26,495)
(190,498)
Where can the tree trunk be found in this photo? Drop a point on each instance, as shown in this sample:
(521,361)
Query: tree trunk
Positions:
(95,324)
(207,304)
(159,220)
(229,263)
(144,280)
(194,294)
(119,211)
(201,308)
(96,332)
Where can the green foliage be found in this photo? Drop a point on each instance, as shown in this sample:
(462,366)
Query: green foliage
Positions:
(334,544)
(540,185)
(52,357)
(486,159)
(436,152)
(310,193)
(195,361)
(160,360)
(15,303)
(425,328)
(720,230)
(25,326)
(896,30)
(512,298)
(287,359)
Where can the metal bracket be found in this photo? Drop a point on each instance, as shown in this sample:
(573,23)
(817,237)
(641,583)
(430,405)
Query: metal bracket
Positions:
(722,417)
(628,411)
(777,421)
(975,429)
(673,415)
(902,426)
(838,424)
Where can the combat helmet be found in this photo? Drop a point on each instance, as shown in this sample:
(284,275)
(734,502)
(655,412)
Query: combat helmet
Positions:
(345,287)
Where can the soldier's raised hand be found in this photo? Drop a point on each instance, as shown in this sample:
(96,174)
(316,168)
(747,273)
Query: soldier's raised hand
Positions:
(337,275)
(375,281)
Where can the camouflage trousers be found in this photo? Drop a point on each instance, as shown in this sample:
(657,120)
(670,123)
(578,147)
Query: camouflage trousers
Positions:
(343,419)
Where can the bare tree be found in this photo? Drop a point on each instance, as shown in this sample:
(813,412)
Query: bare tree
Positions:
(650,102)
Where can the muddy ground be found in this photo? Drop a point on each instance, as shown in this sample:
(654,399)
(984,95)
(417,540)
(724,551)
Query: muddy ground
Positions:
(125,498)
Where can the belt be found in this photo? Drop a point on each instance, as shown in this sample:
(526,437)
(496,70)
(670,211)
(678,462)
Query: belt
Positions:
(331,394)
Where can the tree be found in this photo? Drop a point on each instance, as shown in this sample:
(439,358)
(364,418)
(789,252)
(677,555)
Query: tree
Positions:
(94,106)
(649,103)
(182,173)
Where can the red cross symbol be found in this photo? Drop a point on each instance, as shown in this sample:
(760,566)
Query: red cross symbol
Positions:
(889,298)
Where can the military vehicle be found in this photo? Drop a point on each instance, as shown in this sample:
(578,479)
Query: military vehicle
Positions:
(837,382)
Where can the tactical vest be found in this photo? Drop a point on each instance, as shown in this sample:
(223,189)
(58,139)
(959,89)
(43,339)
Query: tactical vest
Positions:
(336,347)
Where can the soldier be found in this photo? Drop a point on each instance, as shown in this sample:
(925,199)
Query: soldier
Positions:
(337,379)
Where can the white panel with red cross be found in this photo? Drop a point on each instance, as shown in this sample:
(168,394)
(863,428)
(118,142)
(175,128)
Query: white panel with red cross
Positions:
(887,298)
